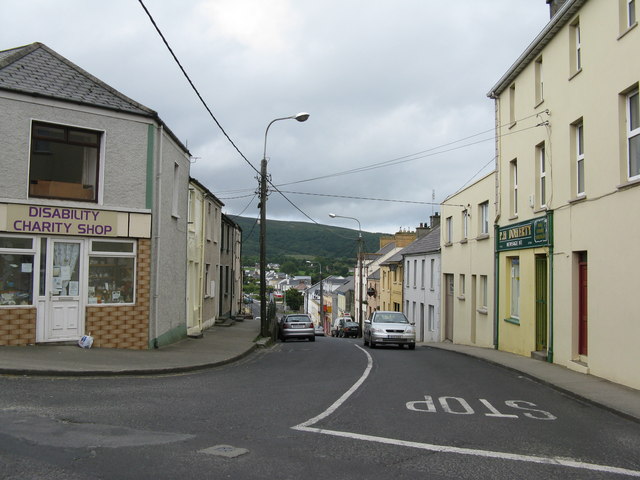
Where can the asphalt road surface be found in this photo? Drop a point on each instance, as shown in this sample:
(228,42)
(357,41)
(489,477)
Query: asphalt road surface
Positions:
(327,409)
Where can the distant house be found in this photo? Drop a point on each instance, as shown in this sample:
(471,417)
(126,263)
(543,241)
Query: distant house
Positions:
(204,258)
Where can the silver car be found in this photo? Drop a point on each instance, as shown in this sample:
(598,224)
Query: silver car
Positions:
(296,325)
(385,328)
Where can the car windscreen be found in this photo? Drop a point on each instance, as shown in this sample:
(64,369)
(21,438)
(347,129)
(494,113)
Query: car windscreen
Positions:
(390,318)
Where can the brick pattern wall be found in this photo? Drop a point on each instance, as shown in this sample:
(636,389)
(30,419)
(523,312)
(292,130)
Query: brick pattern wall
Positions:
(17,326)
(126,326)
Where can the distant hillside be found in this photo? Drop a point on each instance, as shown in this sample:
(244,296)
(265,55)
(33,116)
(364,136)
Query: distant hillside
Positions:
(300,239)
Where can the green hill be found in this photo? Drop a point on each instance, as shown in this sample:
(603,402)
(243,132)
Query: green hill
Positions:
(303,240)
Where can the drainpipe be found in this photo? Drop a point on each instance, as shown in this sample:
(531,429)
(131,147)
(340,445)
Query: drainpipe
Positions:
(498,205)
(156,237)
(551,308)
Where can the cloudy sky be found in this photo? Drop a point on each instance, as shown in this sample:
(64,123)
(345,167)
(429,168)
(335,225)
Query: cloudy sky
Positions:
(396,91)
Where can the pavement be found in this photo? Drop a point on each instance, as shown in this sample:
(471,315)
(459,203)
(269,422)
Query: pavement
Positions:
(221,345)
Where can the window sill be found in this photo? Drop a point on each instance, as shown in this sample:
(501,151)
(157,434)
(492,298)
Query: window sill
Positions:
(482,310)
(464,240)
(541,209)
(513,217)
(514,321)
(629,28)
(579,199)
(513,124)
(461,297)
(575,74)
(538,103)
(629,184)
(448,244)
(483,236)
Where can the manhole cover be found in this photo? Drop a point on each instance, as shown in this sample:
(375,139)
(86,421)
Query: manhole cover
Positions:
(225,451)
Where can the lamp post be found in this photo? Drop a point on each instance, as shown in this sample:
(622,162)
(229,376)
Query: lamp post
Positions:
(264,323)
(321,314)
(360,262)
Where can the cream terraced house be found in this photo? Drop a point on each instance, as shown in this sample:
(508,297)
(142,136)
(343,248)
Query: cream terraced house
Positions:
(568,143)
(93,210)
(467,239)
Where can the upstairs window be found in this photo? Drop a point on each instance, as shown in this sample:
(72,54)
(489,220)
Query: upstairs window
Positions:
(633,135)
(514,187)
(484,218)
(542,175)
(576,48)
(64,162)
(580,159)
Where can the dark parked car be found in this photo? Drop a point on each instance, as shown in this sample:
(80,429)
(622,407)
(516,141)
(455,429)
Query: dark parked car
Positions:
(296,325)
(349,329)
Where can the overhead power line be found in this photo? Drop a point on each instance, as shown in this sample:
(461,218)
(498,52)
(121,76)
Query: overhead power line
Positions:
(184,72)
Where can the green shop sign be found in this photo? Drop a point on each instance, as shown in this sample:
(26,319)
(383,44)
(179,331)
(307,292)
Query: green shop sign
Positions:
(529,234)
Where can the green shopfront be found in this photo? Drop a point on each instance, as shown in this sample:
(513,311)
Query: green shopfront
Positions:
(524,267)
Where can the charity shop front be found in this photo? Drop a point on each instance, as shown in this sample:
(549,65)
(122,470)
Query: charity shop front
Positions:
(66,272)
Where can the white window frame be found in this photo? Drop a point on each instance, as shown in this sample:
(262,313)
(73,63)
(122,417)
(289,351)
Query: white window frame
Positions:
(432,315)
(422,273)
(35,265)
(449,230)
(432,274)
(415,273)
(514,187)
(631,13)
(116,254)
(465,224)
(633,133)
(514,274)
(580,170)
(484,291)
(484,218)
(542,169)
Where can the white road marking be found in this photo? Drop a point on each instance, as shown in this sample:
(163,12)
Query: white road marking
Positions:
(556,461)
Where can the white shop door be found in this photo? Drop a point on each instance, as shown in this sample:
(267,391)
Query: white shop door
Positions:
(65,316)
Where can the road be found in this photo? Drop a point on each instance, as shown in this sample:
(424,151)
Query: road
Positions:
(327,409)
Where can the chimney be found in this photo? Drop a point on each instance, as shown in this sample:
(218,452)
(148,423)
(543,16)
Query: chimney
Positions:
(435,220)
(554,6)
(422,230)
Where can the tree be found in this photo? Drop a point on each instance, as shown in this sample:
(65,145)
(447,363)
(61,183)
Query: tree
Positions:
(294,299)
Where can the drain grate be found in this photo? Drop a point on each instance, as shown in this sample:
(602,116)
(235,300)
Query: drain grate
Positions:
(227,451)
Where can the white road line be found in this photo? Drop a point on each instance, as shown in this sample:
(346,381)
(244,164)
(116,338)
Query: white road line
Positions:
(338,403)
(556,461)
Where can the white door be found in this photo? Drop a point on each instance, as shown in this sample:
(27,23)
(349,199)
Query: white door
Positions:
(65,316)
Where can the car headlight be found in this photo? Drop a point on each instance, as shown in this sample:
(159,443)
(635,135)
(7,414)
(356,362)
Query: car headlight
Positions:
(377,330)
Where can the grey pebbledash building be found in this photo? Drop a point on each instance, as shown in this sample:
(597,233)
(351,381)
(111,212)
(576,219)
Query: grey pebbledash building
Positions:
(93,210)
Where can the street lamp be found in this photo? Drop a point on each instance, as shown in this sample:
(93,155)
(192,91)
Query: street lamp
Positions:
(264,324)
(360,262)
(321,314)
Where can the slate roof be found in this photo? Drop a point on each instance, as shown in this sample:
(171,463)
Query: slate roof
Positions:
(39,71)
(346,286)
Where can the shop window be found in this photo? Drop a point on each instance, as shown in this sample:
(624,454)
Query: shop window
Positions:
(112,272)
(64,162)
(16,271)
(515,287)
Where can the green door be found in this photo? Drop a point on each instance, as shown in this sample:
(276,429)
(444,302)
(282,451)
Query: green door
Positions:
(541,302)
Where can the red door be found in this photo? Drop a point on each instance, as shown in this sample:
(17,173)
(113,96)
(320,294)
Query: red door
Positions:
(582,305)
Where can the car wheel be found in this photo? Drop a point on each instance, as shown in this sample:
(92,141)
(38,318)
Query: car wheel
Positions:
(364,339)
(312,339)
(412,346)
(372,344)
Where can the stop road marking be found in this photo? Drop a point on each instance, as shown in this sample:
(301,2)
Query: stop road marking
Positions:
(459,406)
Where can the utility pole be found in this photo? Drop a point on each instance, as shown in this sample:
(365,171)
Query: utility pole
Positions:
(264,323)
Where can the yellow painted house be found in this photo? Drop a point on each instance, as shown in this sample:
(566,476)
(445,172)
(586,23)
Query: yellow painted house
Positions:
(568,189)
